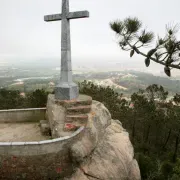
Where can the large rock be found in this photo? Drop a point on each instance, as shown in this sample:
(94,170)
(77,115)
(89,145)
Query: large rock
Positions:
(105,151)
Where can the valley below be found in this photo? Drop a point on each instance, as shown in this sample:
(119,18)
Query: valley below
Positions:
(27,79)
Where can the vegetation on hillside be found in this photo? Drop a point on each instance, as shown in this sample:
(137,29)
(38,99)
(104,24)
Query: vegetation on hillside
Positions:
(151,120)
(13,99)
(153,125)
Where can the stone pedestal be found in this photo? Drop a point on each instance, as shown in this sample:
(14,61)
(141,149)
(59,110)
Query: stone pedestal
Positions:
(66,91)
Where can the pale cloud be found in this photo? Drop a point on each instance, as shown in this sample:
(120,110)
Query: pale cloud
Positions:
(23,33)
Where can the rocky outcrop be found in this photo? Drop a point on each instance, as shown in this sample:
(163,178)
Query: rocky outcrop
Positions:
(100,149)
(105,151)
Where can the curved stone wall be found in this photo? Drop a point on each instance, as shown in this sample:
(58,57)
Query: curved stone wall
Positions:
(38,160)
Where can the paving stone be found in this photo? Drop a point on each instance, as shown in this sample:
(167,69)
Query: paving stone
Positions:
(21,132)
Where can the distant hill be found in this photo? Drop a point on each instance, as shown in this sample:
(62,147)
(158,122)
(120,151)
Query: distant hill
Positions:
(125,82)
(128,82)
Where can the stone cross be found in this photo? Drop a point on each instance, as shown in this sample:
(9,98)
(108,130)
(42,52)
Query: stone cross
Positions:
(66,89)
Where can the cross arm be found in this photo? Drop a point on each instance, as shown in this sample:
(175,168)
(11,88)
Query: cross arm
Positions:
(53,17)
(78,14)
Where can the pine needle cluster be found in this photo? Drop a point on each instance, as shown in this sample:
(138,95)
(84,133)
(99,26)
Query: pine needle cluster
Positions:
(132,37)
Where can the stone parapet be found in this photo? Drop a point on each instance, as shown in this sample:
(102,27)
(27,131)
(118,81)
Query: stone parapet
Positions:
(47,159)
(22,115)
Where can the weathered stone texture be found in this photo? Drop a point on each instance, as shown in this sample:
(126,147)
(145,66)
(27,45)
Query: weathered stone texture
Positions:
(56,116)
(21,132)
(35,167)
(38,160)
(22,115)
(78,110)
(45,127)
(68,91)
(82,100)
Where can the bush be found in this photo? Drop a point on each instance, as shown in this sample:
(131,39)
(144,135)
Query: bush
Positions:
(167,169)
(37,99)
(146,165)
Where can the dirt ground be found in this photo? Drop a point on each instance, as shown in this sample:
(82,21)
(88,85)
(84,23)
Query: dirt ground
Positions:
(21,132)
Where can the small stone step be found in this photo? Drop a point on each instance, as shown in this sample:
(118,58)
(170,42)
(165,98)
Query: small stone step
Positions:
(73,126)
(78,110)
(82,100)
(81,117)
(70,127)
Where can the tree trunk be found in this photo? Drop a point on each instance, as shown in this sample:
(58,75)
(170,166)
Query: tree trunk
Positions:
(147,135)
(167,139)
(133,130)
(176,147)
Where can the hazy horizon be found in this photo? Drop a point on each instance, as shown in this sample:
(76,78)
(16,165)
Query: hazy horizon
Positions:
(26,38)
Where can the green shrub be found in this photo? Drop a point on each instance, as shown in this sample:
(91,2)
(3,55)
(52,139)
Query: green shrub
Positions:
(167,169)
(146,165)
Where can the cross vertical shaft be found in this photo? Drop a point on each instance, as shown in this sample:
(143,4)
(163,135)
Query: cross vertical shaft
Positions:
(66,67)
(66,89)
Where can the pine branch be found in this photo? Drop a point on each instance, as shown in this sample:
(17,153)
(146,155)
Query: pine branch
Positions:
(128,31)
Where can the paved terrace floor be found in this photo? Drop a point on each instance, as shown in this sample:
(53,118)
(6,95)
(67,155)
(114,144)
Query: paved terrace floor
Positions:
(21,132)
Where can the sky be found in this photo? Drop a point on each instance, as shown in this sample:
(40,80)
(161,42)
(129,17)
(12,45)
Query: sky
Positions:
(24,36)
